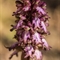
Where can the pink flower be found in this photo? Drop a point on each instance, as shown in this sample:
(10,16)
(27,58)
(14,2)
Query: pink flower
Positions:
(45,44)
(28,50)
(37,54)
(22,17)
(36,22)
(19,24)
(26,5)
(40,10)
(26,8)
(36,38)
(43,26)
(26,36)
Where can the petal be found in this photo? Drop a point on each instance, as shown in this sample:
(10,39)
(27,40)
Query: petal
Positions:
(45,44)
(39,9)
(37,38)
(36,22)
(43,26)
(38,54)
(22,17)
(26,8)
(26,36)
(19,24)
(28,50)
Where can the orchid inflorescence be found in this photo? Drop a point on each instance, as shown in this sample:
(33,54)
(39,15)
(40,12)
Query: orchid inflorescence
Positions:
(31,27)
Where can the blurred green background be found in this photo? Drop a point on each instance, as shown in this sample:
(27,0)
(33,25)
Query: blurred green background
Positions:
(6,37)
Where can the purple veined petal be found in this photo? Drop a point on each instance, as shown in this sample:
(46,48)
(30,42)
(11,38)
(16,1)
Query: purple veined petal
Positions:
(19,24)
(22,17)
(29,50)
(39,9)
(43,26)
(45,44)
(37,38)
(29,53)
(26,8)
(37,54)
(36,22)
(26,36)
(27,5)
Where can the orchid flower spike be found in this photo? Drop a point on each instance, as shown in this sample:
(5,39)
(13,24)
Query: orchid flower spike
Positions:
(31,25)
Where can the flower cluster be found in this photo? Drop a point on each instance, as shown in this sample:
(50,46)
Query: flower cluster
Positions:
(31,26)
